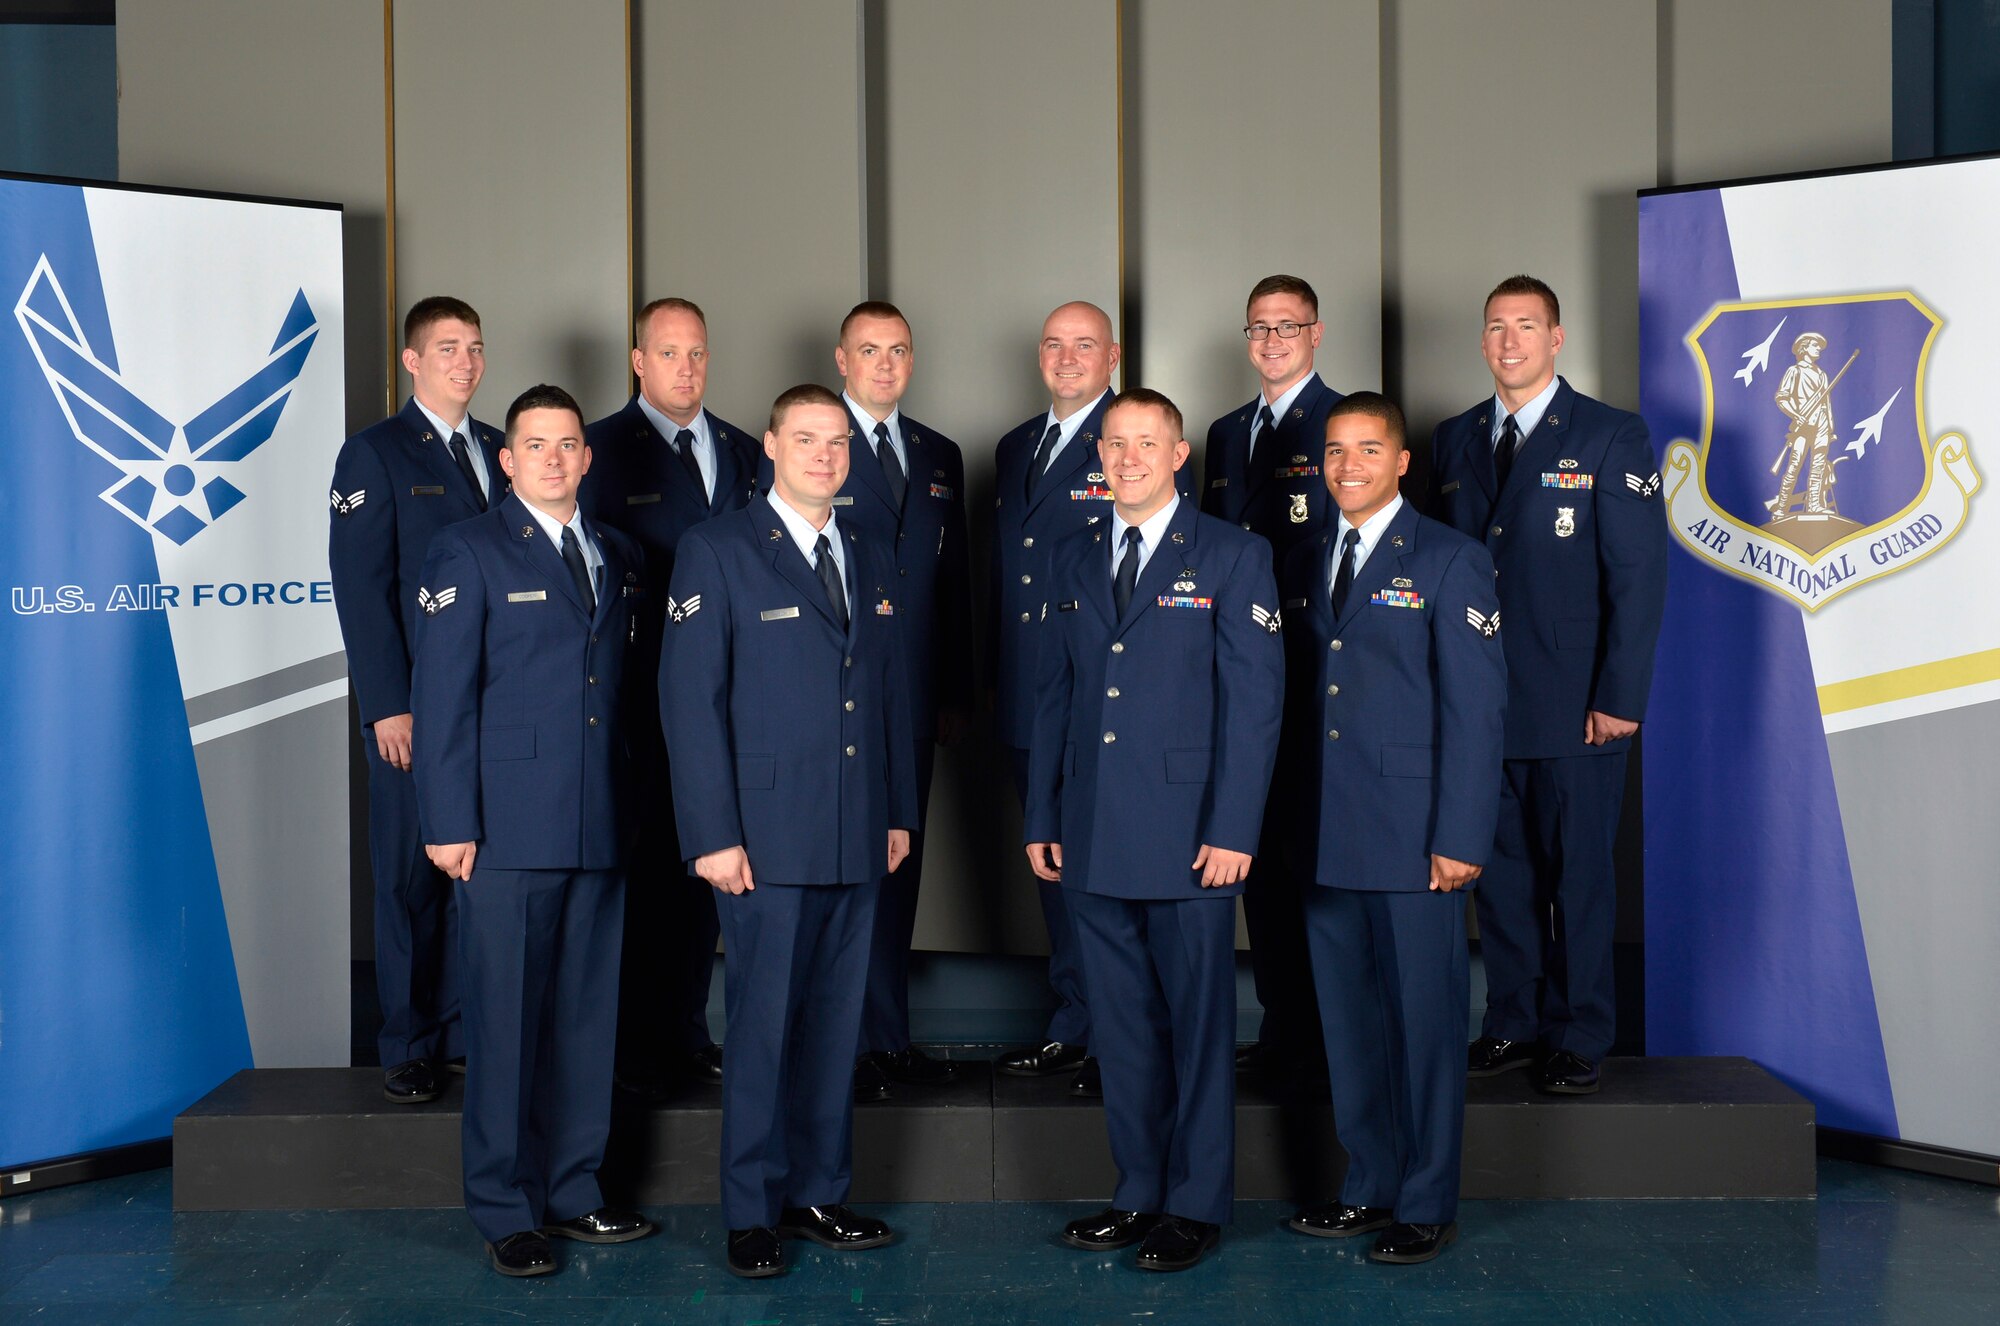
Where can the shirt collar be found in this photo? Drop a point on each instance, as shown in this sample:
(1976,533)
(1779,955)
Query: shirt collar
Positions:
(1071,426)
(554,528)
(1528,415)
(670,430)
(1282,406)
(1371,534)
(867,421)
(445,430)
(801,530)
(1152,530)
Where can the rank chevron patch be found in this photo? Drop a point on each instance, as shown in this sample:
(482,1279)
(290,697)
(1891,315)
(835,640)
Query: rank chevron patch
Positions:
(1480,622)
(433,604)
(1643,487)
(684,609)
(346,505)
(1268,618)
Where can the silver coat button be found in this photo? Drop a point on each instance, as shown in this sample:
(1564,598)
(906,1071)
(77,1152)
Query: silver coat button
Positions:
(850,750)
(1112,693)
(1025,616)
(1333,735)
(593,720)
(1117,646)
(849,706)
(1027,543)
(1333,690)
(1027,580)
(1110,737)
(1334,646)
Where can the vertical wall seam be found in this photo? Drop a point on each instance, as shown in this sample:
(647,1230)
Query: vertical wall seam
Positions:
(631,203)
(389,197)
(1124,306)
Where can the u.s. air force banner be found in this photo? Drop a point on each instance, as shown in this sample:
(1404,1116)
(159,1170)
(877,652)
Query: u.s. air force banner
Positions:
(173,829)
(1818,361)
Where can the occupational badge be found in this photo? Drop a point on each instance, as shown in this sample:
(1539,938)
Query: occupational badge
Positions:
(1298,513)
(1565,521)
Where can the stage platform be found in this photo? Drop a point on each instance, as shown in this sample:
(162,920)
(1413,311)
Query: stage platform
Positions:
(324,1138)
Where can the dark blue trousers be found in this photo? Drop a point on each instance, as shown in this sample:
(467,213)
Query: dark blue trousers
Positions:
(1164,979)
(1071,1022)
(796,965)
(1274,916)
(669,962)
(416,925)
(1394,990)
(885,1010)
(1548,902)
(541,973)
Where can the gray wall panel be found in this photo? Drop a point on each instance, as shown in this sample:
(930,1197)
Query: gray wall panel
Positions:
(747,156)
(1518,136)
(511,186)
(999,181)
(1253,146)
(1763,87)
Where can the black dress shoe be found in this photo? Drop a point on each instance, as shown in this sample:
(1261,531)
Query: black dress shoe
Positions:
(1567,1074)
(705,1064)
(1331,1220)
(1490,1056)
(1088,1082)
(834,1227)
(1262,1057)
(456,1065)
(413,1082)
(755,1253)
(918,1069)
(1404,1245)
(1176,1244)
(604,1225)
(871,1079)
(1040,1060)
(525,1253)
(1108,1229)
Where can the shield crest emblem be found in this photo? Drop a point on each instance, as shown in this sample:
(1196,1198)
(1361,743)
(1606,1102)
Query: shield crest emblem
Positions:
(1299,511)
(1815,471)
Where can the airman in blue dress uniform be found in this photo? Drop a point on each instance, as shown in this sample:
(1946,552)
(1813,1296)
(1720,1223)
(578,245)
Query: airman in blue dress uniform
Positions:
(1160,684)
(782,693)
(659,467)
(1388,786)
(1562,490)
(395,485)
(520,661)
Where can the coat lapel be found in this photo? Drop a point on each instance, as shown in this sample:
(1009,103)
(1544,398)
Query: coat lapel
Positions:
(864,469)
(1165,565)
(1383,566)
(543,559)
(790,563)
(1538,452)
(1079,458)
(729,475)
(1479,444)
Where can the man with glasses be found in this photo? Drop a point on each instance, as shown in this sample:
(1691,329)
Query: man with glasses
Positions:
(1262,466)
(663,465)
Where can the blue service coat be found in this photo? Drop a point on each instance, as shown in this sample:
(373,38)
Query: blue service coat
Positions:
(1580,541)
(516,692)
(395,485)
(1156,732)
(789,736)
(1283,498)
(933,567)
(1413,680)
(1071,496)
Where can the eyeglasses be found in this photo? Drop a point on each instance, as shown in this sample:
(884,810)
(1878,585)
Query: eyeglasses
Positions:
(1259,331)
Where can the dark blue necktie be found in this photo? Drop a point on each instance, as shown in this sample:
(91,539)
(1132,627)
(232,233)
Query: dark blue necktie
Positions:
(1503,453)
(1343,580)
(829,576)
(1265,423)
(572,555)
(892,466)
(463,455)
(1042,454)
(1127,578)
(684,448)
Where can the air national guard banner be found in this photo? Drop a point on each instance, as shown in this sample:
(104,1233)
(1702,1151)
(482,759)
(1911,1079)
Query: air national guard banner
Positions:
(1820,364)
(173,826)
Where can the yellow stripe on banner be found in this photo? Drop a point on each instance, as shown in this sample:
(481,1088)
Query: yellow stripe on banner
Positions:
(1905,683)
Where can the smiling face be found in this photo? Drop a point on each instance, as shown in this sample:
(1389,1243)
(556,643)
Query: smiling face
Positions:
(672,366)
(546,458)
(1281,361)
(445,367)
(1363,462)
(808,452)
(875,357)
(1140,451)
(1520,346)
(1078,356)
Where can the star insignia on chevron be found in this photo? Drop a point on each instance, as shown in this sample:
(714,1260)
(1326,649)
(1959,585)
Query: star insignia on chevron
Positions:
(1268,618)
(684,609)
(1643,487)
(1486,625)
(433,604)
(345,506)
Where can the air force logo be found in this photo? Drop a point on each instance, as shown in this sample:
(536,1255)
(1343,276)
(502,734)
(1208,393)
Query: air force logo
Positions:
(171,476)
(1819,476)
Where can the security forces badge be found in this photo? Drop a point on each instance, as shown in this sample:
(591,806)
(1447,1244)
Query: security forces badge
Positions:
(1815,477)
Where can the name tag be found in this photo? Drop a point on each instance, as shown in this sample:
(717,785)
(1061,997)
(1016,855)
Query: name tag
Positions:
(1070,606)
(777,614)
(1218,483)
(843,501)
(1451,487)
(529,596)
(1295,603)
(427,490)
(642,499)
